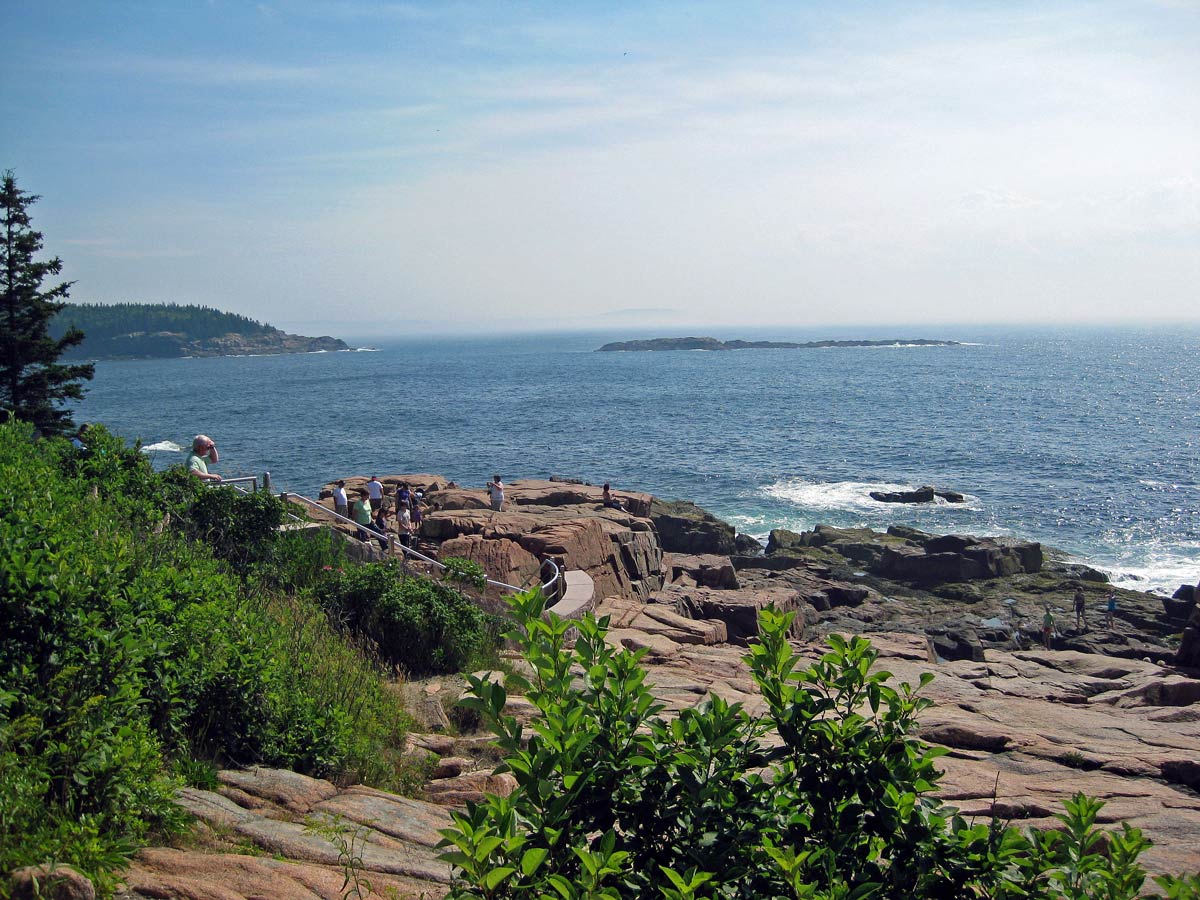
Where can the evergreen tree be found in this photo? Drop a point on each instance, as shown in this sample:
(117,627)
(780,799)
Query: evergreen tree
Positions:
(33,385)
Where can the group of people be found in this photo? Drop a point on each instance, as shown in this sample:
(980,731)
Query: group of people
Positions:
(1079,604)
(372,514)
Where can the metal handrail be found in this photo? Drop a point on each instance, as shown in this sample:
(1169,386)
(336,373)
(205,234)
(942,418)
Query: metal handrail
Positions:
(409,551)
(237,483)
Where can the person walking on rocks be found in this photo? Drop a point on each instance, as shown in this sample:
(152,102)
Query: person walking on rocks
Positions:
(1080,609)
(375,493)
(495,489)
(341,503)
(1110,613)
(1047,627)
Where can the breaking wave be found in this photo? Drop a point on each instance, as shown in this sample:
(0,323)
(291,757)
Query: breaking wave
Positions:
(852,496)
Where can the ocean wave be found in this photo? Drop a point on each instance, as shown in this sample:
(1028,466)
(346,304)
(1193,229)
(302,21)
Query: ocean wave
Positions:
(162,446)
(852,496)
(1158,570)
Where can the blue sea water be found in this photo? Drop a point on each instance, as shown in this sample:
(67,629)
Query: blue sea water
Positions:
(1085,439)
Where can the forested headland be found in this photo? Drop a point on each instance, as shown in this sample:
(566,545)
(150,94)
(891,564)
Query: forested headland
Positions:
(157,330)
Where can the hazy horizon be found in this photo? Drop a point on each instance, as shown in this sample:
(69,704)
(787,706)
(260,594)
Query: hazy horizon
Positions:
(460,168)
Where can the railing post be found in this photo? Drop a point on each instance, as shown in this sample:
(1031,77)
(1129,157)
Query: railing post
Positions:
(267,482)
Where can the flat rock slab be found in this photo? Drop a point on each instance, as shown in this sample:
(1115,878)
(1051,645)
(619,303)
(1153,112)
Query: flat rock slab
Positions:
(271,812)
(161,872)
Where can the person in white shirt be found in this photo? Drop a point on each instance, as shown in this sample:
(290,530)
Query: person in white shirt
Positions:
(375,493)
(341,503)
(495,489)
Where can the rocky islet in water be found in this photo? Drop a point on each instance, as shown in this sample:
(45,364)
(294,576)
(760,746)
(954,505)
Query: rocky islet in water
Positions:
(711,343)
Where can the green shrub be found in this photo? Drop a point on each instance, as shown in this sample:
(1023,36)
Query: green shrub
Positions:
(613,801)
(418,624)
(241,528)
(464,571)
(128,653)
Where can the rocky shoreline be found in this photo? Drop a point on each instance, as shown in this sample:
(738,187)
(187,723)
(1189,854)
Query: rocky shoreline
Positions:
(174,345)
(1113,712)
(967,594)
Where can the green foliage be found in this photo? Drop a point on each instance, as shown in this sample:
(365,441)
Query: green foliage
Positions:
(348,839)
(131,656)
(464,571)
(613,801)
(238,527)
(109,326)
(421,625)
(33,384)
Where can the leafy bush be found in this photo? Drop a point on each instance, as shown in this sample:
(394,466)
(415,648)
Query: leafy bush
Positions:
(128,652)
(464,571)
(421,625)
(613,801)
(241,528)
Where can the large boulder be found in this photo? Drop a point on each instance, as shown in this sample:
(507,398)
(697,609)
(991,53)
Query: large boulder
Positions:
(503,559)
(707,570)
(50,882)
(618,551)
(684,527)
(957,557)
(737,609)
(780,540)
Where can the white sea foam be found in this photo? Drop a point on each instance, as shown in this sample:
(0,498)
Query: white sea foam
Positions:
(1161,571)
(163,447)
(850,496)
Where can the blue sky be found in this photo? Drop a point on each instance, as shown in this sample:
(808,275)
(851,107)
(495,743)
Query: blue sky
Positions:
(408,166)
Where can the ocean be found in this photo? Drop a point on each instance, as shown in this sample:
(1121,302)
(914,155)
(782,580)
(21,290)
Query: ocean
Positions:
(1087,439)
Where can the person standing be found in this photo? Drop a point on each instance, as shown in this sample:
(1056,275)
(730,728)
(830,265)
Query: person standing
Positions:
(375,493)
(341,503)
(204,452)
(1080,609)
(495,489)
(403,496)
(380,527)
(1047,627)
(1110,613)
(404,525)
(361,514)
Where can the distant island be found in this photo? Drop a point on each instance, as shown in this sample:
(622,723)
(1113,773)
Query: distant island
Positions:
(172,330)
(708,343)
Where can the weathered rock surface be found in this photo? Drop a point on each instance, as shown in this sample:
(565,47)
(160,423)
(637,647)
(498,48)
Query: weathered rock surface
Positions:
(684,527)
(1025,730)
(262,812)
(707,570)
(47,882)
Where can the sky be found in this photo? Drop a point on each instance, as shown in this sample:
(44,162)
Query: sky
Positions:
(412,168)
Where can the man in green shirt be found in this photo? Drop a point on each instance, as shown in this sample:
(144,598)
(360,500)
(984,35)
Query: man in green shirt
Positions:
(204,451)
